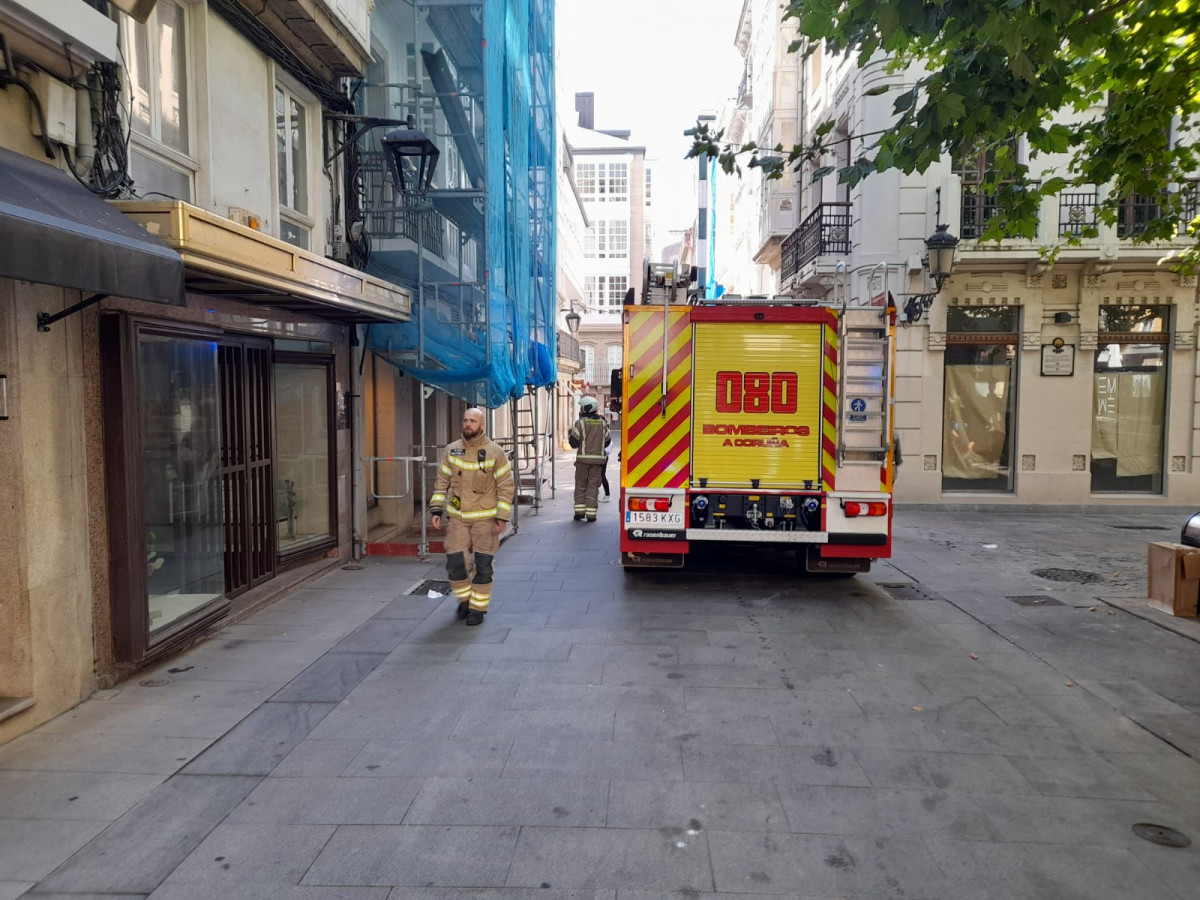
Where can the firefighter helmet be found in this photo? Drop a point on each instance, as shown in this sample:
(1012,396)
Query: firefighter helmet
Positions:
(588,405)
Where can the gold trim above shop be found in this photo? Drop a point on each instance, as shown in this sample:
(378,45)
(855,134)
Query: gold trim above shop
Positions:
(231,260)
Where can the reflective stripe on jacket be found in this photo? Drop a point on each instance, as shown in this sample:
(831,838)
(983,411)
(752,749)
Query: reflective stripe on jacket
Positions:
(474,482)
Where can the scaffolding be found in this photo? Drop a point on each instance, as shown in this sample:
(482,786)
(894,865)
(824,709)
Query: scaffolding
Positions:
(477,249)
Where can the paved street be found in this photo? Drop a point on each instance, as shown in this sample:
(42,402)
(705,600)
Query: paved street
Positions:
(950,726)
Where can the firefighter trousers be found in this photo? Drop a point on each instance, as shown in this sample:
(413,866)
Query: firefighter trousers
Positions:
(587,487)
(462,540)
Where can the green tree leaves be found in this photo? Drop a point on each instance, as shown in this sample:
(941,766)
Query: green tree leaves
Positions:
(1111,88)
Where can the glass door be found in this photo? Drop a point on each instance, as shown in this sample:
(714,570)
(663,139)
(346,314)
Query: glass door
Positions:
(1129,412)
(980,401)
(183,516)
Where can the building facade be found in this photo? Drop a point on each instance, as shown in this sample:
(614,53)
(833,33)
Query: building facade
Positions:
(200,253)
(1020,382)
(611,176)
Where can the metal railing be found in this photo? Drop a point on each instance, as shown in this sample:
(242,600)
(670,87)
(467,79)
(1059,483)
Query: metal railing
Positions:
(979,206)
(568,348)
(1077,213)
(386,216)
(824,231)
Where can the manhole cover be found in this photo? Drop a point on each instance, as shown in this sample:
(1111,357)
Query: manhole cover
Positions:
(442,587)
(1075,576)
(1035,600)
(156,682)
(1161,835)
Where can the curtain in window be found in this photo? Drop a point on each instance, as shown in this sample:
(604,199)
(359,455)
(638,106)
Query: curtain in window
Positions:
(975,428)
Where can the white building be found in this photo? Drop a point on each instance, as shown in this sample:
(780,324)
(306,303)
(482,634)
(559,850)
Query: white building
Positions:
(988,409)
(611,176)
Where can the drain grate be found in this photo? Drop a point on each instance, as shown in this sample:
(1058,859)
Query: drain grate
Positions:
(442,587)
(1161,835)
(1143,527)
(1073,576)
(1035,600)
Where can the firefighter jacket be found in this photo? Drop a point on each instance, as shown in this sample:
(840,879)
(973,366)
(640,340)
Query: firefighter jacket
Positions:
(590,435)
(474,482)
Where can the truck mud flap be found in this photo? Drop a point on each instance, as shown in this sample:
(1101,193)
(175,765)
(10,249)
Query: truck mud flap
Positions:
(846,565)
(652,560)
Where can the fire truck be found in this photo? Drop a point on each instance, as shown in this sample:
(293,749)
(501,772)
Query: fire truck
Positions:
(758,420)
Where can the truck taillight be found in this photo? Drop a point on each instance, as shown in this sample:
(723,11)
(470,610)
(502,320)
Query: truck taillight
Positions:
(650,504)
(854,509)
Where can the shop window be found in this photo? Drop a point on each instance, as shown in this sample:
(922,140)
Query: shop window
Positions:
(1129,412)
(979,407)
(303,468)
(179,413)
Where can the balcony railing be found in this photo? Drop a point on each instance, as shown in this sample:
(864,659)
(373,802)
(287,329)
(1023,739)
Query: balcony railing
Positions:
(386,216)
(826,230)
(979,206)
(1077,213)
(568,348)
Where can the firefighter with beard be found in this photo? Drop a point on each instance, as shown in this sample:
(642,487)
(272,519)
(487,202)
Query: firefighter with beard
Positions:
(589,436)
(474,491)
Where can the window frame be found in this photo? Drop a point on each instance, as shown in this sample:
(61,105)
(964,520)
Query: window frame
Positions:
(151,146)
(302,219)
(305,551)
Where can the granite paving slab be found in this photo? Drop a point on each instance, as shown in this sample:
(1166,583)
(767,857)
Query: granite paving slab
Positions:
(477,800)
(418,855)
(251,891)
(595,857)
(137,852)
(261,741)
(414,758)
(884,812)
(103,753)
(262,853)
(330,679)
(826,866)
(982,871)
(768,765)
(30,849)
(327,801)
(71,795)
(695,806)
(555,758)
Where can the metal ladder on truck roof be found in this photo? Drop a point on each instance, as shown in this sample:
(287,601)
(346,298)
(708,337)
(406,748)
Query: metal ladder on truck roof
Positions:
(864,396)
(661,284)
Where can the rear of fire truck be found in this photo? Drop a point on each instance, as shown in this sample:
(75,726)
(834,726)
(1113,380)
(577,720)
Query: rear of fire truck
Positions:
(757,420)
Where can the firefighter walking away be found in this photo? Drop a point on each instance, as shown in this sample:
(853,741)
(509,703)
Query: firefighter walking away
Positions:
(589,436)
(474,491)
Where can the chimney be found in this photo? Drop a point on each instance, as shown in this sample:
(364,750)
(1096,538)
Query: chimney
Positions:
(585,105)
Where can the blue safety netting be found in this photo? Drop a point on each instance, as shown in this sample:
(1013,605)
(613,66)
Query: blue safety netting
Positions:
(482,88)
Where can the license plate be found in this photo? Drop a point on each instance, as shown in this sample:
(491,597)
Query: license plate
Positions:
(670,519)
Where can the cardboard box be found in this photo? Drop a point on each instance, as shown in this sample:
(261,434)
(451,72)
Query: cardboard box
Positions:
(1174,578)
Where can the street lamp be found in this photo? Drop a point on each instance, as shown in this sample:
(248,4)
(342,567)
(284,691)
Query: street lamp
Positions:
(939,255)
(412,158)
(573,321)
(939,262)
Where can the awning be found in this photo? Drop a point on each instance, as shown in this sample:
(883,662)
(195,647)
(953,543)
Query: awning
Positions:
(53,230)
(226,259)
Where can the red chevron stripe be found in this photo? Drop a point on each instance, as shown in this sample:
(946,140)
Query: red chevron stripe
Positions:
(648,323)
(831,384)
(642,453)
(652,361)
(830,415)
(675,390)
(668,460)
